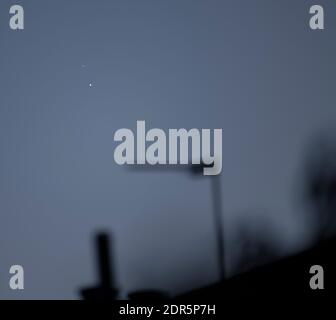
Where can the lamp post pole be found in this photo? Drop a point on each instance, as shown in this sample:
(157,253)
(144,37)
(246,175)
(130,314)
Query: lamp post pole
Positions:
(218,221)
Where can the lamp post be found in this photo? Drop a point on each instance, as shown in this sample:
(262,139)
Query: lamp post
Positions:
(217,205)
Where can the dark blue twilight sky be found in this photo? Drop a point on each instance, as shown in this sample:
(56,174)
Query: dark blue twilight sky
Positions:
(252,68)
